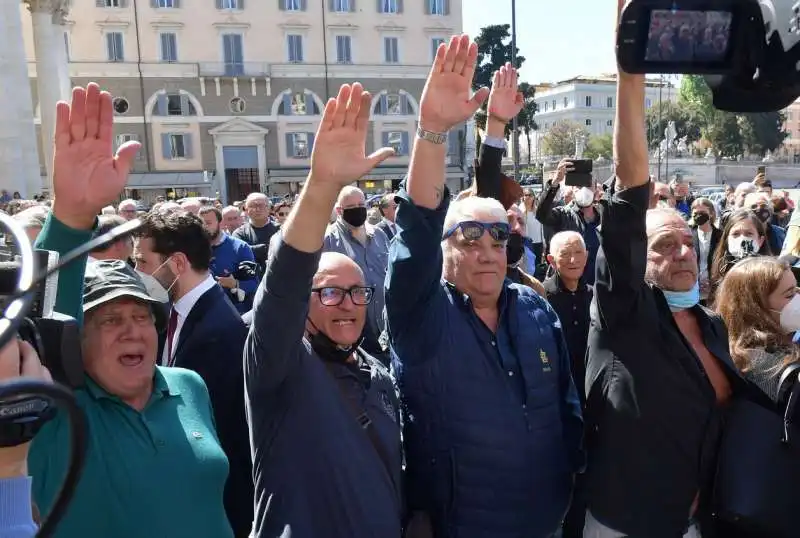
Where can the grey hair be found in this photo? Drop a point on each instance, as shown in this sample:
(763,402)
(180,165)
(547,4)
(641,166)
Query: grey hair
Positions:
(468,208)
(660,213)
(558,240)
(32,217)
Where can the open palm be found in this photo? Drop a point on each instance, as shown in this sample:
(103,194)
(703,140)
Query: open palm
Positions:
(87,175)
(447,99)
(505,99)
(339,153)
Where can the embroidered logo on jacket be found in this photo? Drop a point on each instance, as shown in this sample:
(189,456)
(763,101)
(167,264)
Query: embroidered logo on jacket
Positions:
(545,361)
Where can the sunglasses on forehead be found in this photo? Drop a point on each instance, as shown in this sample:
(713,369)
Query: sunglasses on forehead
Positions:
(473,230)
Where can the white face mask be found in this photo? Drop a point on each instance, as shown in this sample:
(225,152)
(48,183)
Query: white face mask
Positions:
(742,246)
(790,315)
(583,197)
(154,287)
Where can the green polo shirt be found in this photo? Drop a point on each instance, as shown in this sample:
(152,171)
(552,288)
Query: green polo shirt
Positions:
(150,473)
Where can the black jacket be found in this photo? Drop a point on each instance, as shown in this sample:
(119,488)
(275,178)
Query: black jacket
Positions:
(384,225)
(211,343)
(652,414)
(716,235)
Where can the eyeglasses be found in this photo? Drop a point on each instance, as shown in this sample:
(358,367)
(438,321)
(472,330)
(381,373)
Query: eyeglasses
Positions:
(473,230)
(283,214)
(333,296)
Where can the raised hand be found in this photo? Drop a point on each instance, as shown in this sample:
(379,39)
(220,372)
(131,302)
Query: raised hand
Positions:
(87,175)
(447,99)
(339,153)
(505,99)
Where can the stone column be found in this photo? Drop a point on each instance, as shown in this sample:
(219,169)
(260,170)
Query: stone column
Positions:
(49,45)
(19,156)
(60,23)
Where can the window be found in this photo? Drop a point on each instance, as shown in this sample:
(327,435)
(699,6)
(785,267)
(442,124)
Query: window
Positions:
(588,123)
(554,104)
(609,102)
(120,105)
(391,53)
(566,102)
(114,47)
(390,6)
(343,50)
(169,47)
(341,6)
(174,104)
(393,104)
(609,123)
(435,42)
(294,46)
(648,103)
(232,54)
(237,105)
(229,4)
(397,140)
(66,45)
(167,3)
(437,7)
(125,138)
(546,106)
(111,3)
(298,103)
(299,145)
(588,100)
(292,5)
(178,146)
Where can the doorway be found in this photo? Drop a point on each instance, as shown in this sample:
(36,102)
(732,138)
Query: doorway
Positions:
(241,171)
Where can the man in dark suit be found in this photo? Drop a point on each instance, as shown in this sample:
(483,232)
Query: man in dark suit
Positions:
(206,334)
(706,237)
(387,208)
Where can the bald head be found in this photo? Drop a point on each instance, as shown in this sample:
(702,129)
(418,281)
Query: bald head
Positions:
(350,196)
(563,240)
(663,216)
(336,269)
(742,190)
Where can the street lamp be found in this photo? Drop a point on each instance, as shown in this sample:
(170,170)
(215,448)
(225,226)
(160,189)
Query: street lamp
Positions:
(514,122)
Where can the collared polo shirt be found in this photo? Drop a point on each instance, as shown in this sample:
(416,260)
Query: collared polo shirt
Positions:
(150,473)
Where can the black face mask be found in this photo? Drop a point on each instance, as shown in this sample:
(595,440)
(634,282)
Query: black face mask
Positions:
(355,216)
(515,248)
(329,350)
(700,218)
(764,214)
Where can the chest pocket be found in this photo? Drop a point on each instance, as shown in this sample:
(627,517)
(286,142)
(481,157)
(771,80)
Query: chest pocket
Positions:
(537,345)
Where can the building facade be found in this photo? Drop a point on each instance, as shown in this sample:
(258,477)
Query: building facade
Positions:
(589,102)
(226,95)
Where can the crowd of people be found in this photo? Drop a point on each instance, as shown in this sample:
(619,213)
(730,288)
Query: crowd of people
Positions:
(483,364)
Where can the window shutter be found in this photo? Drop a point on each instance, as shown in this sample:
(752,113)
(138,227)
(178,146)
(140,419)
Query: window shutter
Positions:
(240,4)
(161,104)
(311,105)
(219,4)
(187,145)
(452,143)
(123,3)
(287,104)
(118,44)
(153,3)
(110,46)
(166,147)
(385,139)
(303,5)
(399,6)
(405,106)
(331,5)
(102,3)
(427,7)
(185,110)
(447,7)
(299,48)
(238,49)
(282,5)
(290,145)
(352,5)
(310,143)
(384,105)
(380,6)
(404,143)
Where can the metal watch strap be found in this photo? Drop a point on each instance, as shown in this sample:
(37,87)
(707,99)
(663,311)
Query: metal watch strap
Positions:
(430,136)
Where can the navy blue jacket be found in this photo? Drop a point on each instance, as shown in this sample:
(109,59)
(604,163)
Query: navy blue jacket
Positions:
(211,343)
(491,443)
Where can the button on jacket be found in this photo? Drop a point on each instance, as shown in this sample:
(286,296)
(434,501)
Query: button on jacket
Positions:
(651,411)
(493,428)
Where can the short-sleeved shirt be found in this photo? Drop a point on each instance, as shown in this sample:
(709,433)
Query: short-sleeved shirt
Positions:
(156,472)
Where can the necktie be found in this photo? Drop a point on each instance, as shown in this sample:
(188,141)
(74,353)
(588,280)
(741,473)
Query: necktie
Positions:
(171,327)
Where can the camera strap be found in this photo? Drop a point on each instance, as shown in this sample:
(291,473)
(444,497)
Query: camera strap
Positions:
(21,419)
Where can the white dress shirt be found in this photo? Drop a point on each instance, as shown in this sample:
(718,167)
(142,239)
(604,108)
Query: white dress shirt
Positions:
(183,306)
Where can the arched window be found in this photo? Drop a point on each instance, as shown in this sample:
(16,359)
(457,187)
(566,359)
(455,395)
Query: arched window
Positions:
(298,103)
(393,103)
(174,103)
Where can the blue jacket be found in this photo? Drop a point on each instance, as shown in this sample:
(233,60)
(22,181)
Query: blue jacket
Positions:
(225,261)
(493,428)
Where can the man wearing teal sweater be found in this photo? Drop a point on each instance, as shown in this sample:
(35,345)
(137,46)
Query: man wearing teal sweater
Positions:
(154,465)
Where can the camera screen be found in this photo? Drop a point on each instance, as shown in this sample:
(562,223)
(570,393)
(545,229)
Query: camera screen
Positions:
(688,36)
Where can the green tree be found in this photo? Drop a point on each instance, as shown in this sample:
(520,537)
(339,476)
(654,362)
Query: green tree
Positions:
(494,51)
(661,113)
(725,135)
(694,96)
(599,146)
(560,138)
(525,120)
(762,132)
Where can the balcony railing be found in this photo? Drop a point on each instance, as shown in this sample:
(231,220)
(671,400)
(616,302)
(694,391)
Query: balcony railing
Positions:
(234,69)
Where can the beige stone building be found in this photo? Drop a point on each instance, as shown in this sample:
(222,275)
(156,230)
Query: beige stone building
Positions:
(225,95)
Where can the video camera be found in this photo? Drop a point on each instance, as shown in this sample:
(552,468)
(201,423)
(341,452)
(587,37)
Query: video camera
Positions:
(55,337)
(747,49)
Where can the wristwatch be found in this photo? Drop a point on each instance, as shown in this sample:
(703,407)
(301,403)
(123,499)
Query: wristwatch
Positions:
(430,136)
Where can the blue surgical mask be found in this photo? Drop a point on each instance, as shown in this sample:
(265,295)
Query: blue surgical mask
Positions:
(681,300)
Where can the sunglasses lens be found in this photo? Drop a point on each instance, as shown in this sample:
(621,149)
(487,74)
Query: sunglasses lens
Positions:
(499,232)
(472,230)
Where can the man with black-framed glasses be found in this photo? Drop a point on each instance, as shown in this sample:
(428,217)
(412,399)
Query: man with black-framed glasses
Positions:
(323,413)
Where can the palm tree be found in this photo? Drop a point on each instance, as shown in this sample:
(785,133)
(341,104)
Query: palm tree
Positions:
(526,121)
